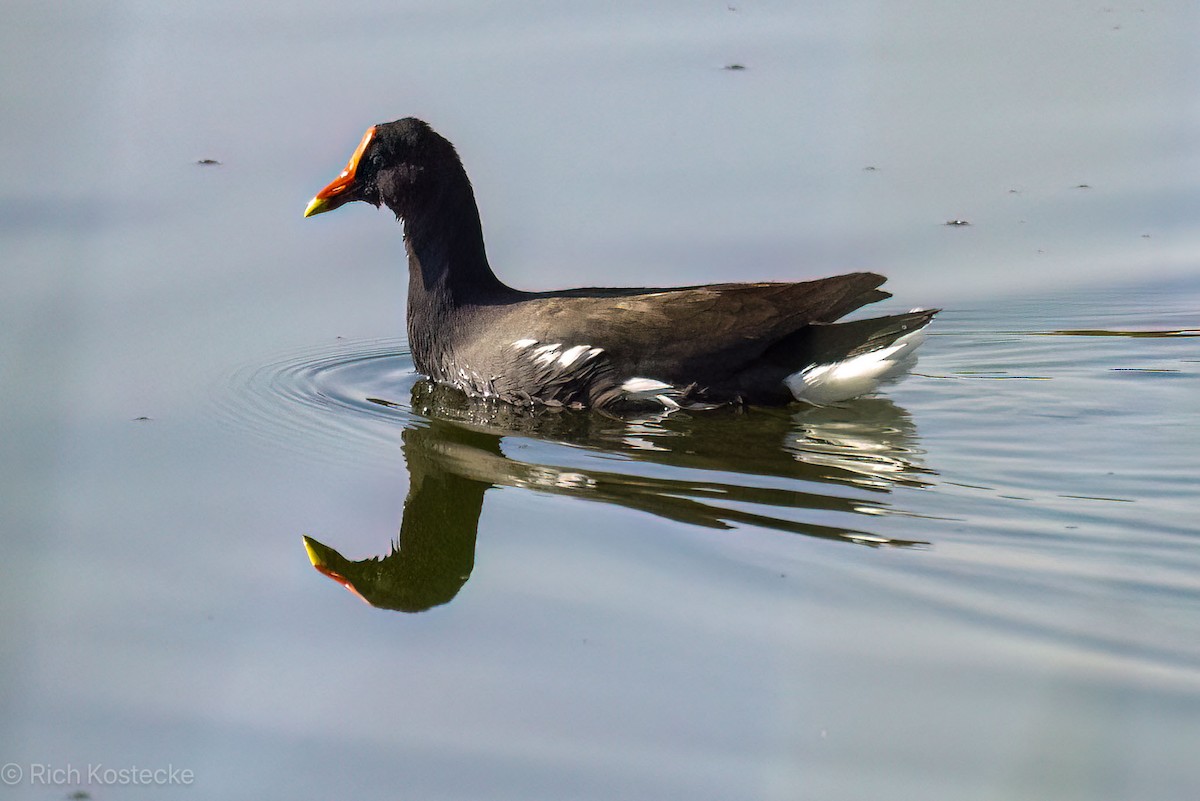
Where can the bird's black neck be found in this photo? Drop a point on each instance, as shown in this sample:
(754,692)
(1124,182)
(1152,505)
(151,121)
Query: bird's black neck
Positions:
(444,239)
(448,269)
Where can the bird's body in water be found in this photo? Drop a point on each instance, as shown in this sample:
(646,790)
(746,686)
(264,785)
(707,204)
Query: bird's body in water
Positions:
(612,348)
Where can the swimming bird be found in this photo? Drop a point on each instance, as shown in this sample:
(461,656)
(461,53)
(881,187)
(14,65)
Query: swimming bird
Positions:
(607,348)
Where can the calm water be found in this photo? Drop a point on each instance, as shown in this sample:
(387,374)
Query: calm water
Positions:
(981,583)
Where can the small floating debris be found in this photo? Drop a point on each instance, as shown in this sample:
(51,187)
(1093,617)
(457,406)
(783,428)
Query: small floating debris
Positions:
(1097,498)
(1083,186)
(870,168)
(142,419)
(208,162)
(1143,370)
(1104,332)
(971,486)
(735,67)
(972,375)
(957,223)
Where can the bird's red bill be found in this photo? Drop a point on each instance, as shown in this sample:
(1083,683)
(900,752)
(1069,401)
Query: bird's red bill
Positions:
(346,178)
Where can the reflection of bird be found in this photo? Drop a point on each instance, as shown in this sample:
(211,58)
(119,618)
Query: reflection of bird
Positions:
(867,444)
(455,457)
(435,553)
(869,437)
(761,343)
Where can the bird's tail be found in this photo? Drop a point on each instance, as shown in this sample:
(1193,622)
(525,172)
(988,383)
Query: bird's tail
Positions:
(845,360)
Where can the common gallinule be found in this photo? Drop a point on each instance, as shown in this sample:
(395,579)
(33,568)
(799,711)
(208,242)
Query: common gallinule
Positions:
(760,343)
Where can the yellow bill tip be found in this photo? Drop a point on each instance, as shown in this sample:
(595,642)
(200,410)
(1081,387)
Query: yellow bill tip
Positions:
(316,206)
(331,196)
(313,547)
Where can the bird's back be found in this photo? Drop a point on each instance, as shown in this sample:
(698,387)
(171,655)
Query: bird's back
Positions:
(705,343)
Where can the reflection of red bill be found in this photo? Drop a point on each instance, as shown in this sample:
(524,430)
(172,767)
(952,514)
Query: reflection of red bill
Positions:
(327,199)
(314,555)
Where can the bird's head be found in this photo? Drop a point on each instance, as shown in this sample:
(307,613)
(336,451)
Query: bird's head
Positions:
(396,164)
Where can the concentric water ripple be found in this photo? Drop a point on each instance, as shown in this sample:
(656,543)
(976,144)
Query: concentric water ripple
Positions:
(342,402)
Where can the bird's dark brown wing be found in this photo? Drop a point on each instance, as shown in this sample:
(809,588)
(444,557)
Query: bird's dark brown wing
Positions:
(669,333)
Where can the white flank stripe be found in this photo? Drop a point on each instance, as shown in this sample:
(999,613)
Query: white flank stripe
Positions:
(644,386)
(571,354)
(524,343)
(545,354)
(651,389)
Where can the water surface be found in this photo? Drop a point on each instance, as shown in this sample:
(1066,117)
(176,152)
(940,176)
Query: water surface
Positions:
(980,583)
